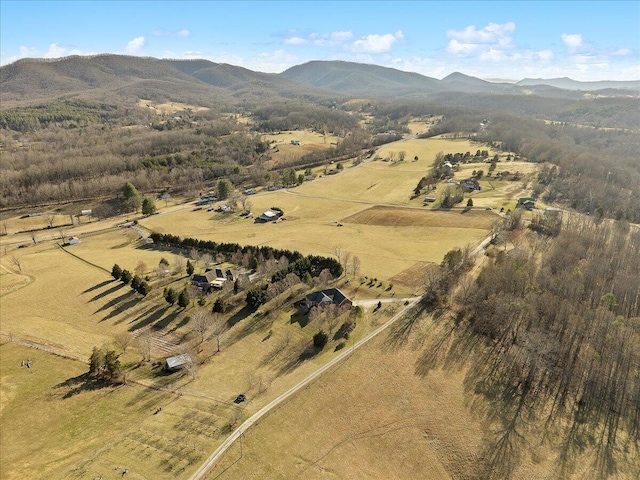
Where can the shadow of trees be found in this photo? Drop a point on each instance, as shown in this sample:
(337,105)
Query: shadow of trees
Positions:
(81,383)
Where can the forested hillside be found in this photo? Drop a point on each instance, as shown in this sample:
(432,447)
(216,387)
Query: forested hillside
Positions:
(74,127)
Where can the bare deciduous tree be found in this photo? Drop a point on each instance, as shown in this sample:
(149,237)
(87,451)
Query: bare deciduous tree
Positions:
(141,268)
(218,328)
(145,342)
(337,251)
(355,265)
(16,261)
(123,340)
(345,261)
(201,322)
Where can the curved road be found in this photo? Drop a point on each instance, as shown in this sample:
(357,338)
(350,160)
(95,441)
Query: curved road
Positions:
(217,454)
(224,446)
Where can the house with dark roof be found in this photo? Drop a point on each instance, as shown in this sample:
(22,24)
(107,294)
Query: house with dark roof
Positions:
(204,281)
(470,184)
(329,296)
(526,202)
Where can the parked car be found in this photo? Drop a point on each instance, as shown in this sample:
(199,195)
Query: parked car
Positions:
(240,398)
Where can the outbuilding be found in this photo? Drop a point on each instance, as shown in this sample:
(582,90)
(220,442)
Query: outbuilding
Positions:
(177,362)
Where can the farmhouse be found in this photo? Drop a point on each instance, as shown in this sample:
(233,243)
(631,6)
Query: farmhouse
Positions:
(330,296)
(176,362)
(527,203)
(470,185)
(270,215)
(204,281)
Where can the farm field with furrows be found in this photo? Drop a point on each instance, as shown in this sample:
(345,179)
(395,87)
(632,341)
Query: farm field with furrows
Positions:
(340,271)
(262,353)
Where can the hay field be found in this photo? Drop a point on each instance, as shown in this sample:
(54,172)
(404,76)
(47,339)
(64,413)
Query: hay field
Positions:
(282,149)
(54,425)
(371,417)
(311,226)
(56,307)
(384,414)
(169,107)
(387,182)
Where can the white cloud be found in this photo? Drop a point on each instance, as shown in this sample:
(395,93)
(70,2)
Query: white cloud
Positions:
(572,41)
(622,52)
(135,45)
(490,41)
(55,50)
(182,33)
(28,51)
(332,39)
(544,54)
(295,41)
(375,43)
(494,34)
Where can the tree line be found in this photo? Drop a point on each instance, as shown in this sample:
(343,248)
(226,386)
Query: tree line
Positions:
(559,321)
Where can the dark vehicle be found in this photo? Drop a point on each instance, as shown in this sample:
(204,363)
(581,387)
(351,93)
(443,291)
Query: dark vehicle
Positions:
(240,398)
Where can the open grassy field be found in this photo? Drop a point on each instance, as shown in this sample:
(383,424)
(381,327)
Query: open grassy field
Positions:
(282,149)
(169,107)
(57,424)
(312,227)
(393,410)
(66,301)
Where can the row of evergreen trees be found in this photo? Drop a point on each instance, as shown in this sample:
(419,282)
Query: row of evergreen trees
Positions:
(125,276)
(298,263)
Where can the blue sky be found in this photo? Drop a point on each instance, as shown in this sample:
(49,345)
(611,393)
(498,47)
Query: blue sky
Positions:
(583,40)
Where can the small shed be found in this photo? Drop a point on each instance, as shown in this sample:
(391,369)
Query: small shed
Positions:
(177,362)
(73,241)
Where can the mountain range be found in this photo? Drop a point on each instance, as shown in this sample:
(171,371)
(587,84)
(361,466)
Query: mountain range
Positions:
(104,77)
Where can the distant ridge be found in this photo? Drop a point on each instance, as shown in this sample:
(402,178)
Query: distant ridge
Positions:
(569,84)
(107,78)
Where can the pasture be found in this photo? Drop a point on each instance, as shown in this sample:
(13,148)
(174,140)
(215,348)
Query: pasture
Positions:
(282,150)
(393,410)
(66,301)
(168,108)
(56,423)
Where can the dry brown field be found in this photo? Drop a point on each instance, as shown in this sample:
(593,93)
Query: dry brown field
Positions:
(66,301)
(169,107)
(393,410)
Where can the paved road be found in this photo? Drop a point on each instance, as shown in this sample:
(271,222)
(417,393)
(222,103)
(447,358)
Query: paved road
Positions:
(215,456)
(220,451)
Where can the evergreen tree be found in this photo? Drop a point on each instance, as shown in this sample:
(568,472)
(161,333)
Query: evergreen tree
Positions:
(112,366)
(144,288)
(96,362)
(116,271)
(131,197)
(190,268)
(219,306)
(148,206)
(183,299)
(170,296)
(126,277)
